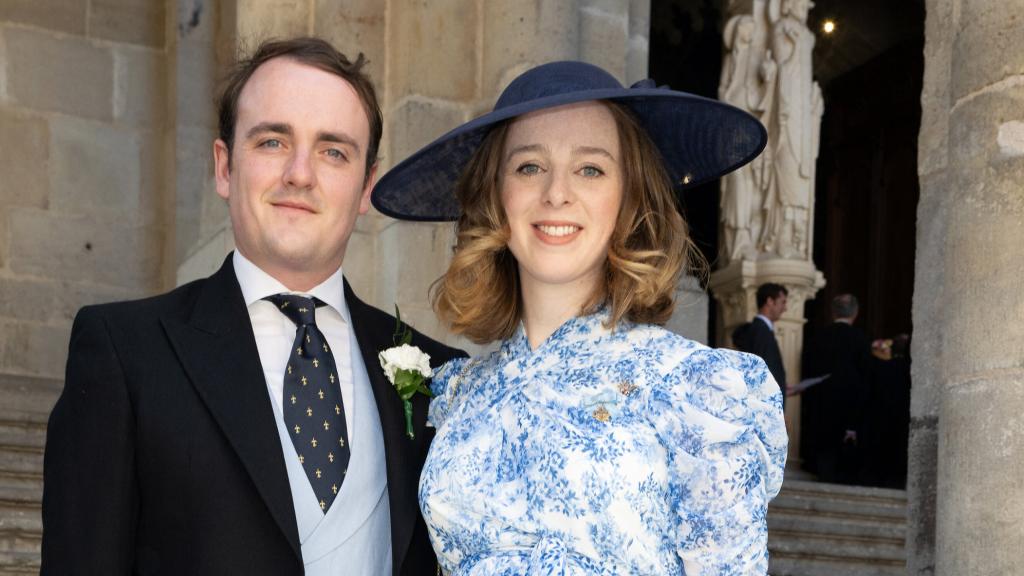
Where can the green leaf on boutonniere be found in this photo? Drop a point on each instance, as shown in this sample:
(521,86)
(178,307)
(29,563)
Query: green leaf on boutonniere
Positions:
(406,367)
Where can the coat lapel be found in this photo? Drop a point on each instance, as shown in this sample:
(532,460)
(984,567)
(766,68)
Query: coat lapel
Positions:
(400,452)
(218,351)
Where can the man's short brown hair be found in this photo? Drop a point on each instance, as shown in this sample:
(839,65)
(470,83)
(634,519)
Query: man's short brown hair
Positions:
(310,51)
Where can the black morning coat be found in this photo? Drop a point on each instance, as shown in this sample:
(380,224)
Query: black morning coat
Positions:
(757,338)
(163,456)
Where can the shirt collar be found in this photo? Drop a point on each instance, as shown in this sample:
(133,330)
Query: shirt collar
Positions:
(257,285)
(771,325)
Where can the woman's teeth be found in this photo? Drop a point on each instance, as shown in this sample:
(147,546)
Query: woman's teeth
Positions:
(558,230)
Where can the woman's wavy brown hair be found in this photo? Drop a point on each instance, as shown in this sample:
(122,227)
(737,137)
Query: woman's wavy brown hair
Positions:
(650,246)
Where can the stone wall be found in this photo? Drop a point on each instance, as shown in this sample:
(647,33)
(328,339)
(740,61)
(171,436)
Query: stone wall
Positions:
(966,446)
(83,201)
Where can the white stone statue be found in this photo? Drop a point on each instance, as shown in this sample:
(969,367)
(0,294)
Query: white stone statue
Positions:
(794,133)
(747,82)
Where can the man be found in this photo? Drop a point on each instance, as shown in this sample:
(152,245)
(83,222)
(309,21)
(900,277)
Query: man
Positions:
(833,410)
(758,336)
(171,450)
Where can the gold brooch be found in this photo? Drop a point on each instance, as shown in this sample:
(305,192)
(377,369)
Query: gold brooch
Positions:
(602,414)
(627,388)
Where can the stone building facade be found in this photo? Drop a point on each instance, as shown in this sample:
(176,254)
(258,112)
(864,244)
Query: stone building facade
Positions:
(106,193)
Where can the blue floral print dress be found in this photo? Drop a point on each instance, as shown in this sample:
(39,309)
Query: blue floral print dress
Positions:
(633,451)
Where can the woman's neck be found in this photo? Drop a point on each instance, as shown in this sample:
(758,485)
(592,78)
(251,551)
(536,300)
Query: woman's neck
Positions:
(548,306)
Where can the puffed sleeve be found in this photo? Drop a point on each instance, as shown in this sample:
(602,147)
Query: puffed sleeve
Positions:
(444,385)
(719,415)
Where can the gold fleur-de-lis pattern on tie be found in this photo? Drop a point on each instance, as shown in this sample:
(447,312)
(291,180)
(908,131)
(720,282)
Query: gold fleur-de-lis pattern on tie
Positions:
(312,401)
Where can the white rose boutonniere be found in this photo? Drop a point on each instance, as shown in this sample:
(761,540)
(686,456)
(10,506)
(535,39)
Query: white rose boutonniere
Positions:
(407,368)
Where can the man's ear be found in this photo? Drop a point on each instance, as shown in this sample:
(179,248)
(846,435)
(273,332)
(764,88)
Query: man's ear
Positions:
(371,179)
(222,167)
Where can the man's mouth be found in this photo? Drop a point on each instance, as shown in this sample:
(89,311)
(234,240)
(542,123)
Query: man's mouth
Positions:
(293,205)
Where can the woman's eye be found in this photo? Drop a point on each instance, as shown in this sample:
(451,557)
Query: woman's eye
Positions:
(528,169)
(591,171)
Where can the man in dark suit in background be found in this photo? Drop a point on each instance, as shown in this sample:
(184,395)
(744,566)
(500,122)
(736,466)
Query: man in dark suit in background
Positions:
(758,335)
(834,409)
(242,424)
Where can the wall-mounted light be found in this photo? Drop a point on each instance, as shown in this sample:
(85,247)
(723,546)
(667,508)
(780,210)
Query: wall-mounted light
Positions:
(828,26)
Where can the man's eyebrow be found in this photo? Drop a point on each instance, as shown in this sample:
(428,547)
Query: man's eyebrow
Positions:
(338,138)
(274,127)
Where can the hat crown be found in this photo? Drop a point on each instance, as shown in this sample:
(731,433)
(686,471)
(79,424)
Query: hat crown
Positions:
(553,79)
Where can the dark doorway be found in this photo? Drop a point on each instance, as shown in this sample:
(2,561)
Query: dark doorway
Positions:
(867,188)
(870,70)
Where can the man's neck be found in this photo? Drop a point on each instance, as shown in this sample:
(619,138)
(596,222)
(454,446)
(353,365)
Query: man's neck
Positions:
(296,278)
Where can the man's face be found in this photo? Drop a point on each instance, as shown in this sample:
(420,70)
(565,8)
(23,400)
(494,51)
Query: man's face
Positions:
(297,179)
(775,307)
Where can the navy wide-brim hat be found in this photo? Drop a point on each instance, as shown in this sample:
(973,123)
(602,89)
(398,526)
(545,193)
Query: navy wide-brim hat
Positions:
(699,139)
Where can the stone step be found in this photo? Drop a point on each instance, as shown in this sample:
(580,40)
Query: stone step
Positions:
(817,529)
(838,548)
(783,521)
(21,462)
(829,500)
(21,541)
(22,435)
(15,563)
(21,518)
(784,565)
(801,488)
(28,399)
(20,489)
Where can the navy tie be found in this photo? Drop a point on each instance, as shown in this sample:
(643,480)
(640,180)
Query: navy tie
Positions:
(313,412)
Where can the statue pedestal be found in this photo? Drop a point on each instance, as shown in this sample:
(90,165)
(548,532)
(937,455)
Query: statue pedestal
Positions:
(735,287)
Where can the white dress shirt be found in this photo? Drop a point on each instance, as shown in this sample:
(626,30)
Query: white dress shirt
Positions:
(275,333)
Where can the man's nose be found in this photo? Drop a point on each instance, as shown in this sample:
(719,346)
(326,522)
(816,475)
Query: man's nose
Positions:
(300,172)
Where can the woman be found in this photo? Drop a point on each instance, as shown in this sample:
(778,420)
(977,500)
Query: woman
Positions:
(592,441)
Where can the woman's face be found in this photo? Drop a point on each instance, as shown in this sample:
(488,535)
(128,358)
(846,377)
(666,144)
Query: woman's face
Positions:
(561,184)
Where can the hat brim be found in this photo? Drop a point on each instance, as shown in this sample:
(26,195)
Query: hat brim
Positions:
(699,139)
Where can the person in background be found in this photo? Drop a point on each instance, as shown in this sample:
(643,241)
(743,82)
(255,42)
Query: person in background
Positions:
(758,336)
(888,413)
(835,408)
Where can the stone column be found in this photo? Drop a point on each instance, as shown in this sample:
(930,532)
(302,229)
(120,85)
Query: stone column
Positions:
(966,446)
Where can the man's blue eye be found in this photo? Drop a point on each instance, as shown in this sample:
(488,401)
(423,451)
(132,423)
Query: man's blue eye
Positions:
(271,144)
(335,153)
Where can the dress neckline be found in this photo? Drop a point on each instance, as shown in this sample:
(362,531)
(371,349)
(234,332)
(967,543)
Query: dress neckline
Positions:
(584,325)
